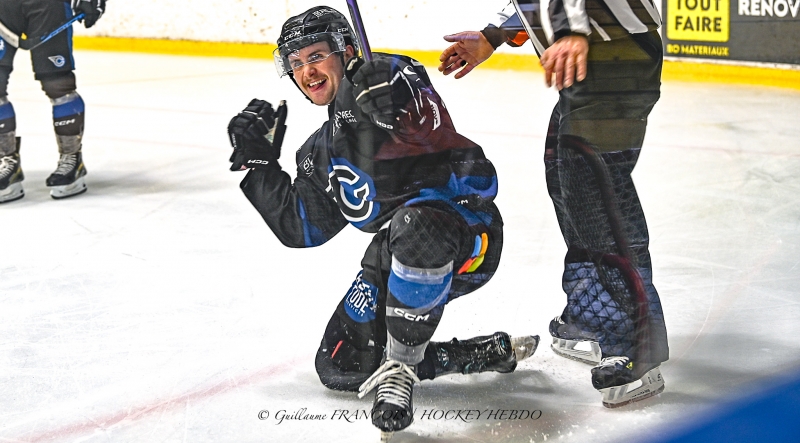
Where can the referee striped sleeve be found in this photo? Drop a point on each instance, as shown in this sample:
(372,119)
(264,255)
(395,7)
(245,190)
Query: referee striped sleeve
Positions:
(607,19)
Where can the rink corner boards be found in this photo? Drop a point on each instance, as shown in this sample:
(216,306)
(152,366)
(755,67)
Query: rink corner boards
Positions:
(786,76)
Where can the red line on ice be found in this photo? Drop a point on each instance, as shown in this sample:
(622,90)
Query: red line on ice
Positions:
(137,413)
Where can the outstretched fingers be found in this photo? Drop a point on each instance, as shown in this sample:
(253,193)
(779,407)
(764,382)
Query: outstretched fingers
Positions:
(469,49)
(449,60)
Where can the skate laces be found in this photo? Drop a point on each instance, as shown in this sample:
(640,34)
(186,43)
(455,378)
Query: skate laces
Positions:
(395,382)
(66,163)
(7,165)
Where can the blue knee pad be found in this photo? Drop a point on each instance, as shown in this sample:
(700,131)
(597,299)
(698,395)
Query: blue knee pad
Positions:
(8,118)
(68,114)
(420,289)
(8,126)
(414,307)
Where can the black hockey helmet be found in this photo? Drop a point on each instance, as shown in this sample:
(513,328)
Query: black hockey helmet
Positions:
(320,23)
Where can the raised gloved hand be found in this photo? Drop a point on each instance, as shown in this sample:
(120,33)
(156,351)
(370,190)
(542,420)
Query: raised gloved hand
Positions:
(256,135)
(92,8)
(382,87)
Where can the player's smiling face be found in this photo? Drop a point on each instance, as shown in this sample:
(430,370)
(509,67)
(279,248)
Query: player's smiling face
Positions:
(319,72)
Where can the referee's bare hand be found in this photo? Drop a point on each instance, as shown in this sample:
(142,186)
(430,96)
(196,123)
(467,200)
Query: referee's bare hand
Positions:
(469,49)
(566,60)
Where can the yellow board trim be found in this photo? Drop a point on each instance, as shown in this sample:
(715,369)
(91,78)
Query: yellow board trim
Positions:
(673,70)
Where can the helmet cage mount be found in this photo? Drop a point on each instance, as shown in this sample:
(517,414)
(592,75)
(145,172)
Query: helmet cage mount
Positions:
(335,40)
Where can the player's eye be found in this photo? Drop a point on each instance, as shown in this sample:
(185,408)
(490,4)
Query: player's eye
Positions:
(296,62)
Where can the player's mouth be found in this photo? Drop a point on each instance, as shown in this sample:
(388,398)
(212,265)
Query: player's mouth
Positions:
(316,85)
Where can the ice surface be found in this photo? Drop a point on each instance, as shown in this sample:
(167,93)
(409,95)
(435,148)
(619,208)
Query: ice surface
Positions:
(158,307)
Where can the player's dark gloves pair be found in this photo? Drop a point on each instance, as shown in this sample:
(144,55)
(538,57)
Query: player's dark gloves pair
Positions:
(256,135)
(92,8)
(382,87)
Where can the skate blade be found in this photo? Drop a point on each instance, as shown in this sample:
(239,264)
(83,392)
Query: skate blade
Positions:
(12,192)
(566,348)
(524,346)
(386,436)
(651,384)
(74,188)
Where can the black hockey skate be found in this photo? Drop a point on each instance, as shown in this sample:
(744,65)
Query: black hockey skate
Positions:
(622,381)
(574,343)
(67,180)
(11,177)
(392,409)
(497,352)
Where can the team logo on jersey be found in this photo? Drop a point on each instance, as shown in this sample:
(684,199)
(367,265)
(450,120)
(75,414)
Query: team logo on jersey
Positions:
(356,191)
(361,300)
(58,60)
(307,165)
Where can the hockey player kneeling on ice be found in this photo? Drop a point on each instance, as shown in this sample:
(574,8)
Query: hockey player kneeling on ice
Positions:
(53,67)
(388,161)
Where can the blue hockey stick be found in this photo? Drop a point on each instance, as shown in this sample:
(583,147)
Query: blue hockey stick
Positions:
(32,43)
(358,24)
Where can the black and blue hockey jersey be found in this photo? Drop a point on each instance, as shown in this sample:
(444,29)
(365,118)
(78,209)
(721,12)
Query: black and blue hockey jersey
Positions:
(360,170)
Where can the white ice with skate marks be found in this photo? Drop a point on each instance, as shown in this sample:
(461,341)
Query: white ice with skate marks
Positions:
(157,306)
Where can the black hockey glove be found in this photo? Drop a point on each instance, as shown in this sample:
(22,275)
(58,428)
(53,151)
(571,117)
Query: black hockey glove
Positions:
(92,8)
(256,135)
(382,88)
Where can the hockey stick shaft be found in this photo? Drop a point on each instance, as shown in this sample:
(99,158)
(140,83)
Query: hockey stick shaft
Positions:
(29,44)
(358,24)
(9,36)
(14,40)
